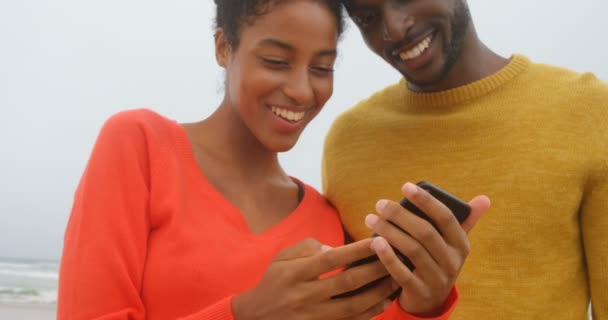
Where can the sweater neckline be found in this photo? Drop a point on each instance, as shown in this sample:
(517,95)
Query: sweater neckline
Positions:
(431,101)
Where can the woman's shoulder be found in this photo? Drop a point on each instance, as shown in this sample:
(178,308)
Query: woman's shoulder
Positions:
(133,118)
(140,131)
(139,125)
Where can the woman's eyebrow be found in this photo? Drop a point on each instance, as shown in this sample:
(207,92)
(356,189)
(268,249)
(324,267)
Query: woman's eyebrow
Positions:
(286,46)
(276,43)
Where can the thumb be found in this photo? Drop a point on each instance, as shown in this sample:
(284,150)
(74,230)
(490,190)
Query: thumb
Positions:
(479,206)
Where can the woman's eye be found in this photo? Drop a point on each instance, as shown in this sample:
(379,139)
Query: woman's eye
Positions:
(275,63)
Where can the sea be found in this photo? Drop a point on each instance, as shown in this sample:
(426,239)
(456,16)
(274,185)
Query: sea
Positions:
(28,281)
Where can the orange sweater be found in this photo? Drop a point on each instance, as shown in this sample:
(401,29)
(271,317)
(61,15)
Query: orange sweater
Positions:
(150,238)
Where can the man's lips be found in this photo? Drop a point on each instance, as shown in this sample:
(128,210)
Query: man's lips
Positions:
(410,44)
(417,50)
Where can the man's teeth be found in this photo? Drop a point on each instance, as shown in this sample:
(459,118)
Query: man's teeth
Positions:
(288,114)
(417,50)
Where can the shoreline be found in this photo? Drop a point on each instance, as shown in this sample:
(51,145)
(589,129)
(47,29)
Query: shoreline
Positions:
(31,311)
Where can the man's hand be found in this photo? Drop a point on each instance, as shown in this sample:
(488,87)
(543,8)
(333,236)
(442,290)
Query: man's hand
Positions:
(437,259)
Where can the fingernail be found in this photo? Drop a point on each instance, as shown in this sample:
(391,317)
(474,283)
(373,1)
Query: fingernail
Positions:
(371,220)
(380,205)
(325,248)
(410,188)
(379,244)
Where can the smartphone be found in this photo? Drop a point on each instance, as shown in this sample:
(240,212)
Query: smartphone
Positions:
(459,208)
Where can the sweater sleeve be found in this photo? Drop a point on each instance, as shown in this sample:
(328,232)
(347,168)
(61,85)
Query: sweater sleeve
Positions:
(395,312)
(105,242)
(594,220)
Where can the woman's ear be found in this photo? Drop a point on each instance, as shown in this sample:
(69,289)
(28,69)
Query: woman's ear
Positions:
(222,48)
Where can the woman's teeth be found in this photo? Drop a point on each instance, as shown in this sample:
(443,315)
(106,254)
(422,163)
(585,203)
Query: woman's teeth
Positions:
(288,114)
(416,51)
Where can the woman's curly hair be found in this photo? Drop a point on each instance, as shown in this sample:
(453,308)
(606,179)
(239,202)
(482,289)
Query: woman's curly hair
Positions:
(232,15)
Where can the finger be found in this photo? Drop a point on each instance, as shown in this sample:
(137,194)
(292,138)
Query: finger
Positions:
(395,267)
(335,258)
(367,300)
(413,286)
(439,213)
(435,261)
(399,216)
(479,206)
(351,279)
(407,231)
(304,248)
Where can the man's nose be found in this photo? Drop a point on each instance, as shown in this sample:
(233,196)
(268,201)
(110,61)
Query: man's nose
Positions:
(397,21)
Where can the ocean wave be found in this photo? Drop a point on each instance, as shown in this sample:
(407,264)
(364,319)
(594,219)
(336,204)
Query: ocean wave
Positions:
(26,295)
(31,274)
(29,269)
(19,265)
(13,265)
(28,281)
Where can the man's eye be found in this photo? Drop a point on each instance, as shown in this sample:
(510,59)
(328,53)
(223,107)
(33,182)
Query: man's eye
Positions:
(365,19)
(323,70)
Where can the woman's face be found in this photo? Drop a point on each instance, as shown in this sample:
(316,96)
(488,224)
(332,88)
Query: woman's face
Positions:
(281,74)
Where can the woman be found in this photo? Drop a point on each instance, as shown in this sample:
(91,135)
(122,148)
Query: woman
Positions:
(198,220)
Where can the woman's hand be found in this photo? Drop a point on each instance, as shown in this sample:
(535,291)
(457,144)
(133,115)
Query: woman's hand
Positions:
(437,259)
(292,287)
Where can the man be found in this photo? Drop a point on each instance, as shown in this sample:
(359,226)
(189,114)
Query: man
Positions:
(532,137)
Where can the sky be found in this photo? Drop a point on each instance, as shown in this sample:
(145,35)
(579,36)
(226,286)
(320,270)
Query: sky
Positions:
(67,65)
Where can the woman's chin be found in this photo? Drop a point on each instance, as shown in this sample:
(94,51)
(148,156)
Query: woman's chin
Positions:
(282,145)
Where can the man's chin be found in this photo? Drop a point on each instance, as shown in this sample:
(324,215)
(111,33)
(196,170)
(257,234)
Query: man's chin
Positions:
(423,77)
(422,83)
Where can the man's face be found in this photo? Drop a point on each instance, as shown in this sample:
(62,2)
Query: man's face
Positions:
(422,39)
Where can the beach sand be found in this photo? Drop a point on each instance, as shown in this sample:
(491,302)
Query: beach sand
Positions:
(27,312)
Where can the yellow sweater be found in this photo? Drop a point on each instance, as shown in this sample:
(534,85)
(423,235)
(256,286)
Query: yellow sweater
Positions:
(532,137)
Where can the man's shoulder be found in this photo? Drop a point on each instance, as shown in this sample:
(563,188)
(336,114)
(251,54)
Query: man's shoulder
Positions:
(578,95)
(387,95)
(373,104)
(563,76)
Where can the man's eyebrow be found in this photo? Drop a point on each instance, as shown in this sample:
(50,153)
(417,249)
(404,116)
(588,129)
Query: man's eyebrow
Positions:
(289,47)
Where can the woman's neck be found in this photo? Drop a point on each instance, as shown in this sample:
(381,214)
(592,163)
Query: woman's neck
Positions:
(224,139)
